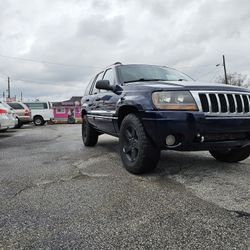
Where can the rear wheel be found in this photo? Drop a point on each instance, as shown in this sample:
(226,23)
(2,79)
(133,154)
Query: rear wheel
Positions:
(231,155)
(38,121)
(89,134)
(138,153)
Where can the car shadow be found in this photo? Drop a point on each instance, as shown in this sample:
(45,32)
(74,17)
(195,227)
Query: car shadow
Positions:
(6,134)
(174,162)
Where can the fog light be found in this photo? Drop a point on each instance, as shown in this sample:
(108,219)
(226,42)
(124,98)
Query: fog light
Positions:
(170,140)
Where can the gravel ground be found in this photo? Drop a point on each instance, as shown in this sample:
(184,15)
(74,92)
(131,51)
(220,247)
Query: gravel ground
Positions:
(57,194)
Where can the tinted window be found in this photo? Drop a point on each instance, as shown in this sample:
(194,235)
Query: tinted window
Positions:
(87,90)
(109,75)
(15,105)
(132,73)
(94,90)
(39,105)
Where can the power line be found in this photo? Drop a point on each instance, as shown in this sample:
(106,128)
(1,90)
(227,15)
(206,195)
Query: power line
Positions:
(199,66)
(45,62)
(215,75)
(207,73)
(33,81)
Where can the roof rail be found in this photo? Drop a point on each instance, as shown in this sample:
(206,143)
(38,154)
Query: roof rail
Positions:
(117,63)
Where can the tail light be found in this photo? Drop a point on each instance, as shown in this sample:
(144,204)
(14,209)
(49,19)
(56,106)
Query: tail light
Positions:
(26,112)
(3,112)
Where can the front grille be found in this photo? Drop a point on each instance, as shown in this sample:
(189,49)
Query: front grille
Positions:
(219,103)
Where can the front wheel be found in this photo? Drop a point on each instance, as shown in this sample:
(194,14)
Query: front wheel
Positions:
(89,134)
(138,154)
(231,155)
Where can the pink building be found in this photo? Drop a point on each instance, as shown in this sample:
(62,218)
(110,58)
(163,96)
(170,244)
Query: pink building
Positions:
(69,108)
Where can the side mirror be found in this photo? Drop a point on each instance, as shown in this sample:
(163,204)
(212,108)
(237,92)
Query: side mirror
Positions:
(104,84)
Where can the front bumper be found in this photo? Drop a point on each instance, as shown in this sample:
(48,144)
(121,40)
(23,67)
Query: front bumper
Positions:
(195,131)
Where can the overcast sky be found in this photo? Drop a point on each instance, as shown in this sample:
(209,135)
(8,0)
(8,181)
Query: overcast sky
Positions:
(83,36)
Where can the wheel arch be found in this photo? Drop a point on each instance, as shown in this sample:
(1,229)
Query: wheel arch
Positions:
(124,111)
(35,116)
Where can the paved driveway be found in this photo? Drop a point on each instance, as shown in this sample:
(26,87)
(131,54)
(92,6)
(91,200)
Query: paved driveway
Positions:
(57,194)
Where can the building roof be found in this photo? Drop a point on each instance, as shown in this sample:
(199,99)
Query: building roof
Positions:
(73,101)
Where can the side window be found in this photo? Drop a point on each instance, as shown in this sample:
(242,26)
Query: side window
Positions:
(37,105)
(94,90)
(60,110)
(87,90)
(109,75)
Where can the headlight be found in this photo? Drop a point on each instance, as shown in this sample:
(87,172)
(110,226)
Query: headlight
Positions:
(174,100)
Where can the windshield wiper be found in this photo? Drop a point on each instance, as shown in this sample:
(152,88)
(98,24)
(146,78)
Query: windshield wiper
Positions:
(180,80)
(145,80)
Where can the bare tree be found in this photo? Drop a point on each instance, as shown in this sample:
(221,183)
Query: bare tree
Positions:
(236,79)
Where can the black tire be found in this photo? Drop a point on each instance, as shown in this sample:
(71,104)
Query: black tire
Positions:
(89,134)
(231,155)
(19,124)
(38,120)
(138,154)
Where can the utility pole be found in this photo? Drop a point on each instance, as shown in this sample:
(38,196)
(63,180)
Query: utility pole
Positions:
(225,70)
(8,87)
(21,96)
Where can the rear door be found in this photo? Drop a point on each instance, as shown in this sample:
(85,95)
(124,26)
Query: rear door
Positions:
(106,105)
(89,99)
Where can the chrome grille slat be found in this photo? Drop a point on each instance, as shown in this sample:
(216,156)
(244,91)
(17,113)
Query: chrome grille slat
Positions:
(223,103)
(248,97)
(243,105)
(219,103)
(228,109)
(235,104)
(209,103)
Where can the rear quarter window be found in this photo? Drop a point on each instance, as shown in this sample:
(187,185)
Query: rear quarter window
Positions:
(43,105)
(16,105)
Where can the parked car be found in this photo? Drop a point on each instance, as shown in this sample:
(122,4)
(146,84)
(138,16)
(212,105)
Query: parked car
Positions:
(4,120)
(22,113)
(11,114)
(41,112)
(153,108)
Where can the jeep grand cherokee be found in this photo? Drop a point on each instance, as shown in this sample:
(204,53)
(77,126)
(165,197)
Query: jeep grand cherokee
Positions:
(153,108)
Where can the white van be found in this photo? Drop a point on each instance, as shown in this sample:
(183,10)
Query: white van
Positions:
(41,112)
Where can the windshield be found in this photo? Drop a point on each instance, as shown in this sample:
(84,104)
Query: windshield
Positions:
(133,73)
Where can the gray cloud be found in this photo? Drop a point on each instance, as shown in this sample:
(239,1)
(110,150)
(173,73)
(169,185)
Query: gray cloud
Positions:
(189,35)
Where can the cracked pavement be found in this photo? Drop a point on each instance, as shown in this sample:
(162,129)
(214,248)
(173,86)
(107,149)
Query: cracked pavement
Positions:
(57,194)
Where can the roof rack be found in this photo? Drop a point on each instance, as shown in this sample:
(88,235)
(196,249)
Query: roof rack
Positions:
(117,63)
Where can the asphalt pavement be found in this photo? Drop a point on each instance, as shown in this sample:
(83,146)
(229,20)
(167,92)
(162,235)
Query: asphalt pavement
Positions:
(57,194)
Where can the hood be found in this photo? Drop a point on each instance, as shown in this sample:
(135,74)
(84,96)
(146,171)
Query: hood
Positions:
(189,85)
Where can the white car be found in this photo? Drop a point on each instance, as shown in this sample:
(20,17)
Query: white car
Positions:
(41,112)
(8,117)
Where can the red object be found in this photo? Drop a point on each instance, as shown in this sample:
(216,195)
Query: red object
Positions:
(3,112)
(26,112)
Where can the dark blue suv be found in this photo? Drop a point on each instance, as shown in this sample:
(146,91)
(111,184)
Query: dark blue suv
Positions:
(153,108)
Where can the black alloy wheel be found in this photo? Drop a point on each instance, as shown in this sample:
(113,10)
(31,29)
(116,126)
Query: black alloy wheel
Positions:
(137,151)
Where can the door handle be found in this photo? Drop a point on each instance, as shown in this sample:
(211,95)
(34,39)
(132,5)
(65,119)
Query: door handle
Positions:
(98,99)
(87,100)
